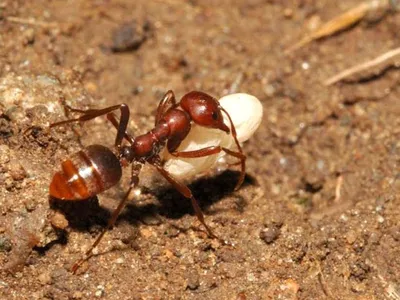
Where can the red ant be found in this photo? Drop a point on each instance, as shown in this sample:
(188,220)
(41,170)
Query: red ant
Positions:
(96,168)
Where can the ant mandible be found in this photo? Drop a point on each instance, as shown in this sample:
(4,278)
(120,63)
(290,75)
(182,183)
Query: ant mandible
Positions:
(96,168)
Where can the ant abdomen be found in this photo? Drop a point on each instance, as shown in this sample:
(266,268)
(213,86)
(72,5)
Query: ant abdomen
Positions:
(86,173)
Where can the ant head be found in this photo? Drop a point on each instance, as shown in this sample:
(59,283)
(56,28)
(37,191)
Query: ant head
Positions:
(204,110)
(126,155)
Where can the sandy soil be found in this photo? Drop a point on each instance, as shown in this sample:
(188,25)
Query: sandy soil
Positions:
(319,214)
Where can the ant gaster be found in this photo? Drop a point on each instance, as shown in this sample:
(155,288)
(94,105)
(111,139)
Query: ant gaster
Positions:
(97,168)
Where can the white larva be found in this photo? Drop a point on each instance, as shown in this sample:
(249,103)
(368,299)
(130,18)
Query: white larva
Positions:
(246,112)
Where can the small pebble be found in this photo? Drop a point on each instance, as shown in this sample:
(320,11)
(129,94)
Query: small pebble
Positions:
(5,244)
(16,170)
(251,277)
(380,219)
(4,155)
(395,233)
(29,36)
(171,231)
(146,233)
(9,184)
(291,286)
(30,205)
(44,278)
(288,13)
(100,291)
(91,87)
(169,254)
(193,280)
(59,221)
(130,36)
(77,295)
(151,220)
(358,287)
(119,260)
(270,234)
(351,236)
(313,23)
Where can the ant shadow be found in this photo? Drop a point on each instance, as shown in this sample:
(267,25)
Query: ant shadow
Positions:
(82,215)
(206,191)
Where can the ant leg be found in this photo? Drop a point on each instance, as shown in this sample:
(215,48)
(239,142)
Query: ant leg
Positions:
(89,253)
(77,110)
(242,161)
(198,153)
(110,224)
(113,119)
(94,113)
(185,191)
(166,102)
(214,150)
(239,154)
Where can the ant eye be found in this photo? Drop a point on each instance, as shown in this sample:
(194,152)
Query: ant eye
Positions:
(214,115)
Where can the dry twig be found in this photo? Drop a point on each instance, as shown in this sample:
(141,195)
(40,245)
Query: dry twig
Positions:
(33,22)
(342,22)
(384,58)
(338,188)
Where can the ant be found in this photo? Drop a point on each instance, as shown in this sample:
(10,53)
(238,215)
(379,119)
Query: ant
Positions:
(96,168)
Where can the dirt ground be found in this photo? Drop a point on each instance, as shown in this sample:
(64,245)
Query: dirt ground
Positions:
(318,216)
